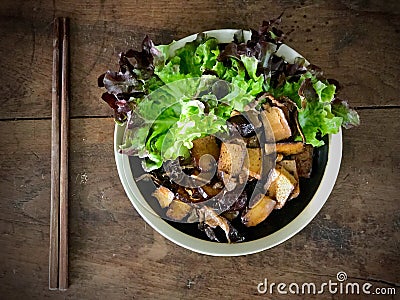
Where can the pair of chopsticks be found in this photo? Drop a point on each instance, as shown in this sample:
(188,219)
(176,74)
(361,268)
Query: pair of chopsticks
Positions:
(58,254)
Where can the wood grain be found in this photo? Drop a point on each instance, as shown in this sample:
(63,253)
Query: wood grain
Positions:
(64,156)
(55,161)
(114,254)
(355,42)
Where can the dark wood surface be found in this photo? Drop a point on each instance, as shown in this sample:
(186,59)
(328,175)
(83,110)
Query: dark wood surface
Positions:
(113,253)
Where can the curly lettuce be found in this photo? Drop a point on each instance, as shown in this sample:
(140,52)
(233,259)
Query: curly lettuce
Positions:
(169,98)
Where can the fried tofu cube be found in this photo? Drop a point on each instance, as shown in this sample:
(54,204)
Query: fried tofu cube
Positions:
(269,148)
(254,162)
(235,113)
(231,158)
(203,146)
(259,212)
(274,118)
(177,210)
(279,157)
(164,196)
(290,148)
(211,191)
(290,166)
(282,187)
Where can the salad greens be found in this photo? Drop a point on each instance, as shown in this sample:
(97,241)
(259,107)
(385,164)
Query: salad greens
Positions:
(170,99)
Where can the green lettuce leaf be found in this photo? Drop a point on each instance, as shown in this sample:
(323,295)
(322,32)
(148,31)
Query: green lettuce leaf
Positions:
(193,124)
(290,90)
(317,117)
(173,116)
(350,117)
(170,101)
(316,120)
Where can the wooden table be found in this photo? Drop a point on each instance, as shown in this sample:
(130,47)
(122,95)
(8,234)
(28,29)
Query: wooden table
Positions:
(113,253)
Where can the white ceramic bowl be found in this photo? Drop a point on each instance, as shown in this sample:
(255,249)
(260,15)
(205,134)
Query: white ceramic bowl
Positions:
(223,249)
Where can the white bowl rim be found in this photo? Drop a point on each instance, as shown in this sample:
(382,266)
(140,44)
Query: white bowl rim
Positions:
(224,249)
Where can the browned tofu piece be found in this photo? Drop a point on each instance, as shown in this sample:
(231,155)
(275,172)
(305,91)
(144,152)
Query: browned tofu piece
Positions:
(290,166)
(231,158)
(290,148)
(235,113)
(205,145)
(177,210)
(304,161)
(212,219)
(275,118)
(279,157)
(164,196)
(254,162)
(255,199)
(273,174)
(211,191)
(269,148)
(252,142)
(259,212)
(231,215)
(282,187)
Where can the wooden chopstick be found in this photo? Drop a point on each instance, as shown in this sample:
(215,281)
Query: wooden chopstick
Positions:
(58,252)
(55,161)
(63,250)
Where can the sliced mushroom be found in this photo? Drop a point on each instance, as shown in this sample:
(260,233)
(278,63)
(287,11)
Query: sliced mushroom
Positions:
(259,212)
(240,124)
(304,161)
(193,216)
(209,232)
(298,126)
(207,163)
(231,215)
(164,196)
(212,219)
(177,210)
(194,195)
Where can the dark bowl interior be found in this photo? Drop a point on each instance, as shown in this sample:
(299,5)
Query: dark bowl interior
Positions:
(275,221)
